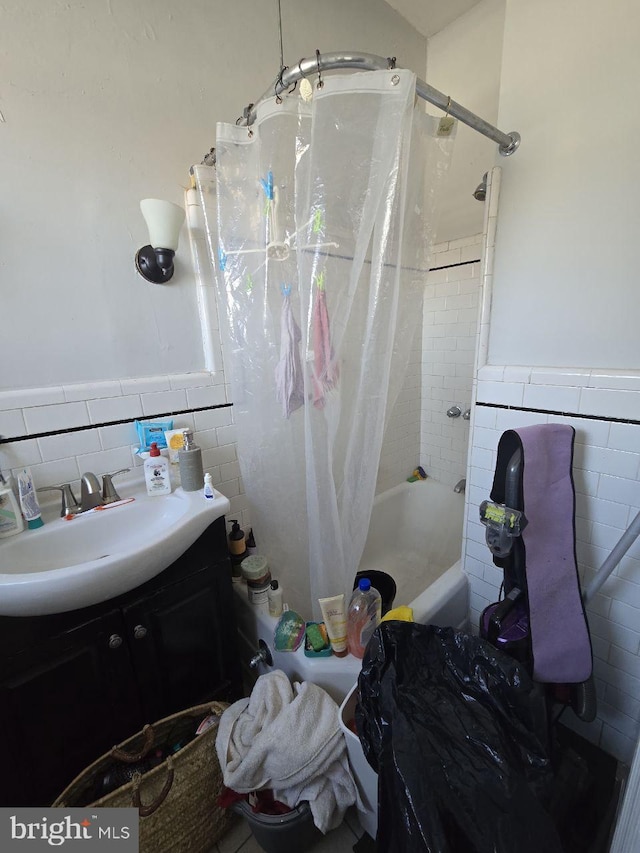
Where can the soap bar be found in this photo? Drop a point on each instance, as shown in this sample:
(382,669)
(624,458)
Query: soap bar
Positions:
(315,637)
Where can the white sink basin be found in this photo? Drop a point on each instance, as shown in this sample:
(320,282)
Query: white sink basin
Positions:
(98,555)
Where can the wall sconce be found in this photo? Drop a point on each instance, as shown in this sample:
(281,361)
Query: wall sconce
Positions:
(164,220)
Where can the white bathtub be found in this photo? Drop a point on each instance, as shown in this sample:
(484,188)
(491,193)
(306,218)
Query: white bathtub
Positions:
(415,535)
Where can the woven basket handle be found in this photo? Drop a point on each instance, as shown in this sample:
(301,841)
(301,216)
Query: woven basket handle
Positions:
(136,802)
(133,757)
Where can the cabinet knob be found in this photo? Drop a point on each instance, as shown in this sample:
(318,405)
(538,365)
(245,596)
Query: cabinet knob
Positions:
(115,641)
(139,632)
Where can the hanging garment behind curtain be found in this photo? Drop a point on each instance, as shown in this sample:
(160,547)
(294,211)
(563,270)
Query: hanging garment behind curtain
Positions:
(324,228)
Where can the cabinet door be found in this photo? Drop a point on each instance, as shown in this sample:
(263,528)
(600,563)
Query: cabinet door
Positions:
(63,703)
(183,644)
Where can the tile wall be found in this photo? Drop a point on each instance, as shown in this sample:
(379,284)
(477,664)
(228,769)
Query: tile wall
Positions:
(448,351)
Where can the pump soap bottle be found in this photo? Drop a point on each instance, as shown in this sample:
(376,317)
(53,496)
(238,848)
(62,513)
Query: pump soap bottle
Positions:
(190,462)
(156,472)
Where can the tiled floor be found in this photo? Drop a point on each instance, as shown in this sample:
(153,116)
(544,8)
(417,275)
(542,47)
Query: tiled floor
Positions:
(341,840)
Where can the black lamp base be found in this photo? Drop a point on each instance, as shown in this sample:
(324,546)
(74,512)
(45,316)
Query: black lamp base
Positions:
(156,265)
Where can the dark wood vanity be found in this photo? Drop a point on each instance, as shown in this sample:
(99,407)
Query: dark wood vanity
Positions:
(74,684)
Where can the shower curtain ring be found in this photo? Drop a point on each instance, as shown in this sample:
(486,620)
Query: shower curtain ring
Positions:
(279,81)
(319,84)
(448,106)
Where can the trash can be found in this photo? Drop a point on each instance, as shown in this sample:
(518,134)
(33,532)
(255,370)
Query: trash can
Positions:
(283,833)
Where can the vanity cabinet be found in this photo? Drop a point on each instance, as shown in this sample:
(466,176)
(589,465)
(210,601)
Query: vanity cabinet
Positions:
(74,684)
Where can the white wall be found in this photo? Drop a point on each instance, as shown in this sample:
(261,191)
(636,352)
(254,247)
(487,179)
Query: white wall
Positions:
(463,61)
(566,285)
(107,103)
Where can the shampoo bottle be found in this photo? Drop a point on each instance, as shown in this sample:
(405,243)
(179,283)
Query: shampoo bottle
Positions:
(156,472)
(11,520)
(190,462)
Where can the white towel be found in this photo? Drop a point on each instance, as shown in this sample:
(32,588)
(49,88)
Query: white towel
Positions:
(291,742)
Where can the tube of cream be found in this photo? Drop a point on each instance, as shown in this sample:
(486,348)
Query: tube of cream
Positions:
(28,500)
(335,620)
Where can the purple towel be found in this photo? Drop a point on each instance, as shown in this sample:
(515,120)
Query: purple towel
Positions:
(559,633)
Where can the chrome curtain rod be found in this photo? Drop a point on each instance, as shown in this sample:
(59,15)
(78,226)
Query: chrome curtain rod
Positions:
(507,142)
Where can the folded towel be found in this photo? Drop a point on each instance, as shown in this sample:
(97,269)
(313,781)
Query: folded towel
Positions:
(288,740)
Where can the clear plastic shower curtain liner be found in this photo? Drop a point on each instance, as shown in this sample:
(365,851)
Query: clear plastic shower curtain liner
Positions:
(324,219)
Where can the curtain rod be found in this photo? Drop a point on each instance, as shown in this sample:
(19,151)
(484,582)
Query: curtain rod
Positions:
(507,142)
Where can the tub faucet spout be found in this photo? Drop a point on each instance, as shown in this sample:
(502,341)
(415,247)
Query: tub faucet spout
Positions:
(460,486)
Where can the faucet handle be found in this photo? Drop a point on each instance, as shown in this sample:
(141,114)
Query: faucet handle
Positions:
(69,505)
(109,493)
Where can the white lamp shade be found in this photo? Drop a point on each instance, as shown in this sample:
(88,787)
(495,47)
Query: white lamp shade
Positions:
(164,221)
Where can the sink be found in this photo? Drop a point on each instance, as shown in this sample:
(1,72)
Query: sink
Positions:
(95,556)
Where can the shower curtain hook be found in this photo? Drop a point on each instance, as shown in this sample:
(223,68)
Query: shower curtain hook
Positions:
(448,106)
(319,84)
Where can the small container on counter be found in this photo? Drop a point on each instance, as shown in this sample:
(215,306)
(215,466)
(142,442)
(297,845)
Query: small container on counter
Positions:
(256,572)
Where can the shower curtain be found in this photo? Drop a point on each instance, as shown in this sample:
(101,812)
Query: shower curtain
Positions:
(324,220)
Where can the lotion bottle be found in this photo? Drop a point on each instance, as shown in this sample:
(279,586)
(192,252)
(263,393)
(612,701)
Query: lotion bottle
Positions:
(156,472)
(190,462)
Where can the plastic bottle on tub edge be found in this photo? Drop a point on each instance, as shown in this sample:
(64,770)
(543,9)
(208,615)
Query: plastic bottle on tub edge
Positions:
(363,616)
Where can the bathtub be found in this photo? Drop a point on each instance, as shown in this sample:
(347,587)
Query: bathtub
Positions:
(415,535)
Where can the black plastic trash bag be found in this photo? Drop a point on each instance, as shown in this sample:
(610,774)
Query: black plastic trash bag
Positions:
(456,731)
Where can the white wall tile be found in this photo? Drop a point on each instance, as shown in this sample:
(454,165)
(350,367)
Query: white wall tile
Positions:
(624,437)
(165,401)
(504,393)
(91,391)
(551,397)
(12,423)
(554,376)
(57,417)
(55,473)
(145,385)
(212,395)
(28,397)
(68,444)
(17,454)
(623,404)
(115,409)
(190,380)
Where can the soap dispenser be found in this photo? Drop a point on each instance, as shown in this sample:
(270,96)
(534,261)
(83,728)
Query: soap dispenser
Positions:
(190,462)
(156,472)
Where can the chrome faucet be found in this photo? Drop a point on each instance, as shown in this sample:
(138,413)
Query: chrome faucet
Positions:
(90,492)
(460,486)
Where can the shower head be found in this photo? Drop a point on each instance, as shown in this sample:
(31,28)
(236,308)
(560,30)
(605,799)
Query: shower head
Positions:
(480,191)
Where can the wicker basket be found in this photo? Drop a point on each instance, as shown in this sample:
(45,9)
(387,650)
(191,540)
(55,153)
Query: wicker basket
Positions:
(177,800)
